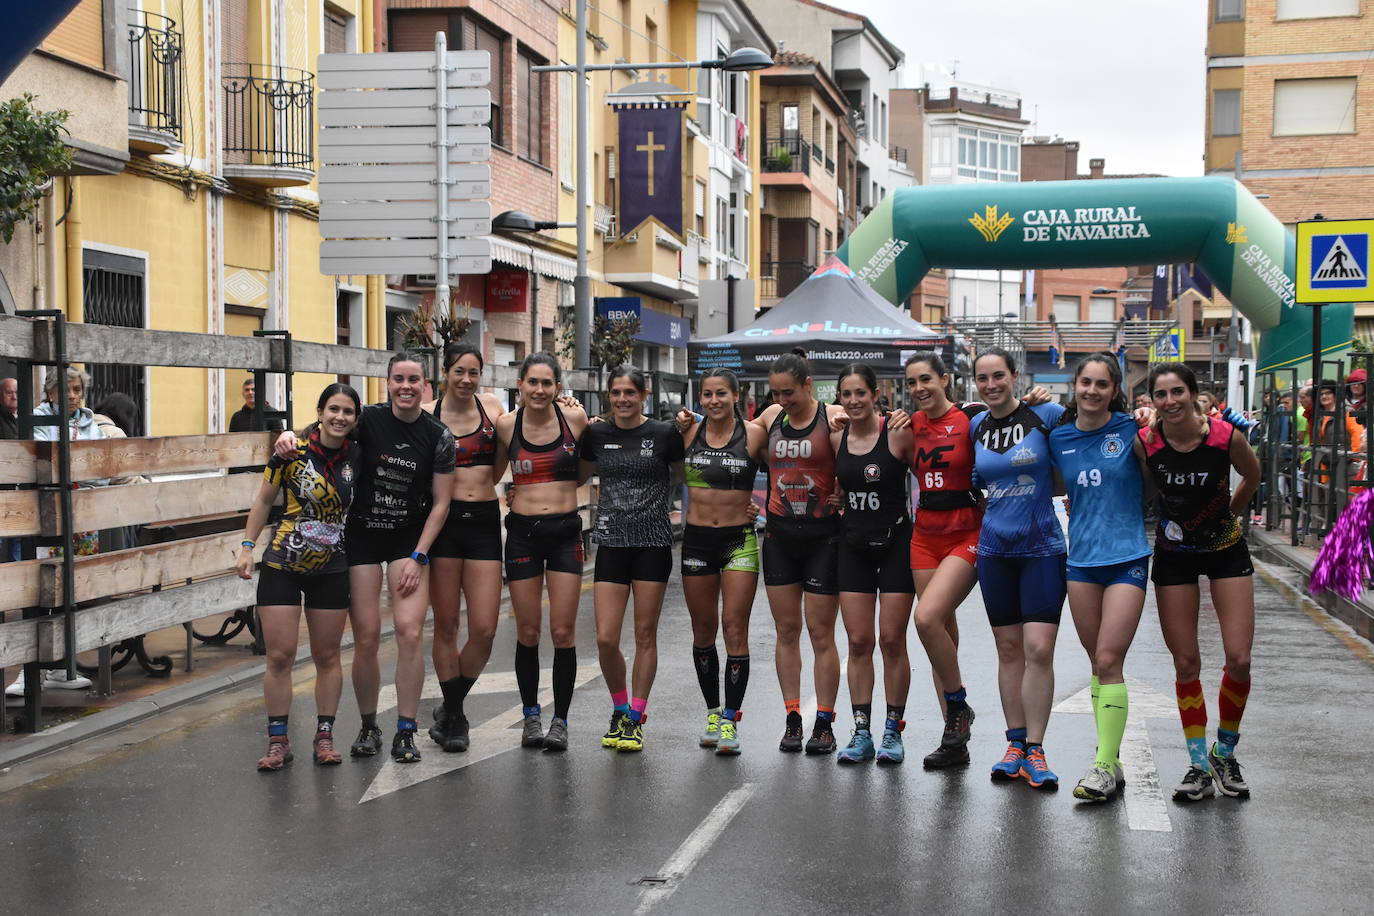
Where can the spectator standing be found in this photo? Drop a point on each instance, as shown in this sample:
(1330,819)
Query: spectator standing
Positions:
(9,408)
(242,420)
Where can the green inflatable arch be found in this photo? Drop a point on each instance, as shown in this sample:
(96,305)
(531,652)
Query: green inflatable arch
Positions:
(1216,222)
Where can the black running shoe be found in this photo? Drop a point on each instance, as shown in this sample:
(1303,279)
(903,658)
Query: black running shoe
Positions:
(958,724)
(439,729)
(456,735)
(368,743)
(792,737)
(403,748)
(946,755)
(822,740)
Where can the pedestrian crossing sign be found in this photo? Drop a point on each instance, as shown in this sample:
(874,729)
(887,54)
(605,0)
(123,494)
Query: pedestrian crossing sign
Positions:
(1333,261)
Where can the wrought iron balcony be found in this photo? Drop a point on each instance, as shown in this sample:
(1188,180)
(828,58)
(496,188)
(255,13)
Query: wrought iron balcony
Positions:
(787,154)
(155,71)
(785,275)
(269,124)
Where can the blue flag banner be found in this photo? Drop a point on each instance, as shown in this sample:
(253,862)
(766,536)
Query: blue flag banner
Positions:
(650,164)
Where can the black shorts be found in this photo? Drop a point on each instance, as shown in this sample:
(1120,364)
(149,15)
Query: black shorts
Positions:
(808,559)
(1176,567)
(471,532)
(708,551)
(869,569)
(535,543)
(376,546)
(322,591)
(623,565)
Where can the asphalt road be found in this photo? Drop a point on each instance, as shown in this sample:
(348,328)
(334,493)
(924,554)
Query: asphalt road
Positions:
(173,817)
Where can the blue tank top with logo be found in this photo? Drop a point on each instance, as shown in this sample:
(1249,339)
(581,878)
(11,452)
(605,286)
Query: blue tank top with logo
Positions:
(1106,491)
(1012,459)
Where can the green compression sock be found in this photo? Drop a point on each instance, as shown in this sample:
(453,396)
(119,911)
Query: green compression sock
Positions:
(1113,707)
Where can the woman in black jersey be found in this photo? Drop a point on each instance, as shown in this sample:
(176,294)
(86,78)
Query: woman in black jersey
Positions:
(541,441)
(305,558)
(720,550)
(635,458)
(401,502)
(466,557)
(871,462)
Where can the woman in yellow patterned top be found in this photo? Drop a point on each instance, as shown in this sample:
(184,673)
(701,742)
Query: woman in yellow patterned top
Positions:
(306,558)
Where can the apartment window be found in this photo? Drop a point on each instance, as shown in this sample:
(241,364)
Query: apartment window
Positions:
(413,30)
(791,121)
(722,221)
(883,122)
(1065,308)
(829,243)
(1315,106)
(699,201)
(1316,9)
(566,163)
(829,143)
(81,36)
(1226,113)
(873,113)
(732,225)
(529,106)
(1232,10)
(335,30)
(1102,308)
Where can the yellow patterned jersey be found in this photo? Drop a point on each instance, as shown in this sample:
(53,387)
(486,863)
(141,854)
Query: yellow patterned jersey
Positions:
(318,483)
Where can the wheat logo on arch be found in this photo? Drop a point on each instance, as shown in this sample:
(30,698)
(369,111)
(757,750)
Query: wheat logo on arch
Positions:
(990,225)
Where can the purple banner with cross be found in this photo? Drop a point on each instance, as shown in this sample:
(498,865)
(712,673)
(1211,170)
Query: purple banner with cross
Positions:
(650,165)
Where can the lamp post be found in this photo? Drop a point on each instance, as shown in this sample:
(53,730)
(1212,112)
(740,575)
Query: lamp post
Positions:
(741,60)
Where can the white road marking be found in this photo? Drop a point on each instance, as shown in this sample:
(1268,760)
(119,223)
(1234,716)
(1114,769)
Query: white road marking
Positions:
(682,861)
(497,735)
(1145,807)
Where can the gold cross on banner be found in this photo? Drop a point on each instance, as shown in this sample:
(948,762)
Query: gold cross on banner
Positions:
(650,148)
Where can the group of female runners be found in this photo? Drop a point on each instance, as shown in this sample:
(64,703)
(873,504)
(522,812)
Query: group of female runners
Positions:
(396,483)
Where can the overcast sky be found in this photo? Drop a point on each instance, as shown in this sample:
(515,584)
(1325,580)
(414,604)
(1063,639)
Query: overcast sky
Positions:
(1125,79)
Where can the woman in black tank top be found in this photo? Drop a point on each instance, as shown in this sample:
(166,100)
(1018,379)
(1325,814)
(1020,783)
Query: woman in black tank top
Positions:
(871,462)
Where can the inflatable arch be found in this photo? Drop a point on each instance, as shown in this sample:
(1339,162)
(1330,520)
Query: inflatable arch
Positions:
(1216,222)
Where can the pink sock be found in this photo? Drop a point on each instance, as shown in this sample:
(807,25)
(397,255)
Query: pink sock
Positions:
(622,698)
(637,708)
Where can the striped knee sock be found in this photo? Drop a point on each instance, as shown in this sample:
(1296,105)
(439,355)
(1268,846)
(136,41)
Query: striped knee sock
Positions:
(1192,710)
(1230,708)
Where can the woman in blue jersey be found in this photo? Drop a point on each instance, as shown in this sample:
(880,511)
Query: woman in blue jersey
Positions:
(1102,462)
(1021,560)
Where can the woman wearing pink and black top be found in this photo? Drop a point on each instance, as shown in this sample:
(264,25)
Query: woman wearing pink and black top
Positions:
(541,441)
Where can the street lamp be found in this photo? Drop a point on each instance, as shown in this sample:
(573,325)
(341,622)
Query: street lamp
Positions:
(515,222)
(741,60)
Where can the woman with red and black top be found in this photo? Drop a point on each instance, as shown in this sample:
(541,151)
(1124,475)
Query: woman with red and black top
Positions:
(466,557)
(800,546)
(541,441)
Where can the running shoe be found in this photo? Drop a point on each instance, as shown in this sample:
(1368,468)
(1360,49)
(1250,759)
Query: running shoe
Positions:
(727,745)
(1009,767)
(631,736)
(613,734)
(1120,774)
(557,737)
(439,729)
(532,732)
(958,724)
(456,731)
(1226,772)
(325,754)
(792,736)
(1196,785)
(892,750)
(368,743)
(822,740)
(403,748)
(1037,772)
(712,733)
(278,754)
(859,749)
(946,755)
(1098,785)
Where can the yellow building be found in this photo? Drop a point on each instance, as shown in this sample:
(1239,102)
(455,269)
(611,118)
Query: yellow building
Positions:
(670,269)
(211,225)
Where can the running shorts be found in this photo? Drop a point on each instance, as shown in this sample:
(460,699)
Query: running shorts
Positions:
(372,547)
(1175,567)
(535,543)
(471,532)
(708,551)
(623,565)
(870,570)
(321,591)
(929,550)
(809,560)
(1022,589)
(1128,572)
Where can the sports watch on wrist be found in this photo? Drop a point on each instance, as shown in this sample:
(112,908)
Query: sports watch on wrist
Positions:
(421,558)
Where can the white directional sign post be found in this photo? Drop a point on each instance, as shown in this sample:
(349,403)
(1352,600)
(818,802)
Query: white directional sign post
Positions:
(404,183)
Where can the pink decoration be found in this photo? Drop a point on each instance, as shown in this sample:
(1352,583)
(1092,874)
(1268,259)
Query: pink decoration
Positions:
(1343,562)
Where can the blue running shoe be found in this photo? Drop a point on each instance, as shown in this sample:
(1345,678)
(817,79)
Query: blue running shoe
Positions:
(891,750)
(860,747)
(1036,771)
(1009,767)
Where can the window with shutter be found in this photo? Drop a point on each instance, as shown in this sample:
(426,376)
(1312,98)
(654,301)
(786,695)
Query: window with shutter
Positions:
(1314,106)
(483,39)
(530,109)
(81,36)
(335,30)
(413,30)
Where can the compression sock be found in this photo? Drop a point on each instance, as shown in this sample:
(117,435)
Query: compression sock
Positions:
(620,701)
(863,714)
(1192,710)
(1230,708)
(564,679)
(276,726)
(736,680)
(1095,688)
(707,663)
(455,690)
(324,724)
(1017,736)
(793,706)
(527,674)
(894,718)
(1111,723)
(369,720)
(637,706)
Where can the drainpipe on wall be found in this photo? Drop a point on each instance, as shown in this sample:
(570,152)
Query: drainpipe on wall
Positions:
(76,305)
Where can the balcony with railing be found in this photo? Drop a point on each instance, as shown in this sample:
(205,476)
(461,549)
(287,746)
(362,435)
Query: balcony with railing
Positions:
(155,98)
(787,154)
(735,135)
(269,124)
(780,278)
(898,154)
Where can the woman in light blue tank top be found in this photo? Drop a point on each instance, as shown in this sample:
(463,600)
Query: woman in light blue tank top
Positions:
(1099,455)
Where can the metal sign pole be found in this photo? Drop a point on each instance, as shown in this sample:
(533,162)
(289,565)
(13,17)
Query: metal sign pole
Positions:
(441,289)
